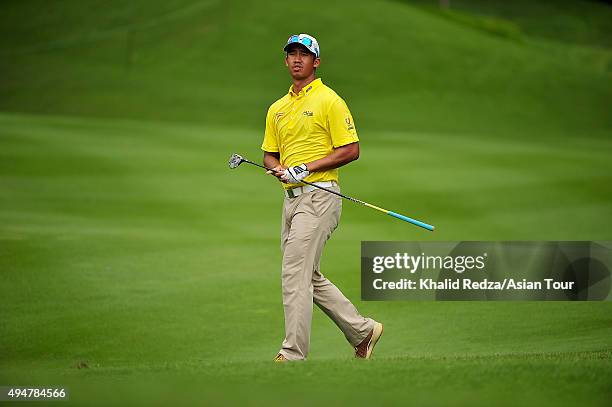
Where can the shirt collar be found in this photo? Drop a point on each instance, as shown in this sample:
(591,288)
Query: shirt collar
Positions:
(306,89)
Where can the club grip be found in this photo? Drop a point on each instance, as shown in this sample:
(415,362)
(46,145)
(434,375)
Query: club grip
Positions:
(410,220)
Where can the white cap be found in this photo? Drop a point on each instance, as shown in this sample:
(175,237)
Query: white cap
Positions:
(306,40)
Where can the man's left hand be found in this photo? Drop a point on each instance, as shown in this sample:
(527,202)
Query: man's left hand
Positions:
(295,174)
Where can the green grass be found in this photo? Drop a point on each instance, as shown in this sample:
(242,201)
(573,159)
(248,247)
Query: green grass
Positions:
(585,22)
(131,247)
(408,69)
(505,380)
(128,245)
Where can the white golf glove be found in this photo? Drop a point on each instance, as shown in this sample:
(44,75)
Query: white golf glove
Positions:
(296,174)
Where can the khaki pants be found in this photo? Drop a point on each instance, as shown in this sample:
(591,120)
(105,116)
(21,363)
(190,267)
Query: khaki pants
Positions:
(308,221)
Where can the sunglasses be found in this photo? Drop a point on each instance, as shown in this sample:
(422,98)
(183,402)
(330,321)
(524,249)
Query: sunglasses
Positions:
(304,40)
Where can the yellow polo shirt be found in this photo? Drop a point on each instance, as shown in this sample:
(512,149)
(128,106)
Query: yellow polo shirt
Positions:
(307,126)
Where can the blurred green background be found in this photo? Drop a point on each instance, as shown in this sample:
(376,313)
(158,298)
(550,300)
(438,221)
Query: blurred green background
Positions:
(136,268)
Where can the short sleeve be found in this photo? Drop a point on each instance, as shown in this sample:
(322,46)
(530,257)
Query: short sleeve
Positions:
(270,141)
(341,125)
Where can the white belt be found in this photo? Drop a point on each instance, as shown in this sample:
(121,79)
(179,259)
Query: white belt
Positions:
(294,192)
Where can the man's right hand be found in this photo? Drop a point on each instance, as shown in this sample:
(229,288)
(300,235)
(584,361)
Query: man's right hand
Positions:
(278,171)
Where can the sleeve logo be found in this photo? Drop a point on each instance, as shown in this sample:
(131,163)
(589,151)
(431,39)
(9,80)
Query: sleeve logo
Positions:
(349,125)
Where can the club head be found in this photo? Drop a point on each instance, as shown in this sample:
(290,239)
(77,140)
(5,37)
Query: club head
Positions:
(235,160)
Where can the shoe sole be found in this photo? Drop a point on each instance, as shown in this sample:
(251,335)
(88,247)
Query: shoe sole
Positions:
(378,331)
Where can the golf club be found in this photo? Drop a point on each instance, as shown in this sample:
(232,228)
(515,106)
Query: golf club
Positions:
(236,159)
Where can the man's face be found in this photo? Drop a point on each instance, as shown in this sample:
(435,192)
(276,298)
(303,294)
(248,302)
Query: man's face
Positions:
(301,62)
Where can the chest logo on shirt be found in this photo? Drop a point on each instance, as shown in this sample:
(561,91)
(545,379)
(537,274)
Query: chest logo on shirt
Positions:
(308,113)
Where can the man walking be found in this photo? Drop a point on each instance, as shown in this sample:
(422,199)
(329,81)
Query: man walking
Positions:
(309,134)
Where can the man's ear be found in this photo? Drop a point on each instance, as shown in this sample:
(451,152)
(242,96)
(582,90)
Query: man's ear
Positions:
(316,62)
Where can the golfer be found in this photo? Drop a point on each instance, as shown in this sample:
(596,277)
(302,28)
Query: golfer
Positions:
(309,134)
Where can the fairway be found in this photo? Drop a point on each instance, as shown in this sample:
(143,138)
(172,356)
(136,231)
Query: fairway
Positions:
(137,268)
(115,254)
